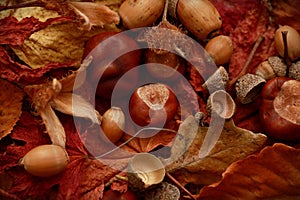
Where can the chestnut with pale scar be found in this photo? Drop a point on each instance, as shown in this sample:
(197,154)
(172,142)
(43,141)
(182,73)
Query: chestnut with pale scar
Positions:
(287,102)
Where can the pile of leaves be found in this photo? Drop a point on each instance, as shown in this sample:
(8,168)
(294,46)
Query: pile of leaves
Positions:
(36,45)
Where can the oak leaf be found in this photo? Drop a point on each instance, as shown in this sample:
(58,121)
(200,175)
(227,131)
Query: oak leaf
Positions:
(274,173)
(188,165)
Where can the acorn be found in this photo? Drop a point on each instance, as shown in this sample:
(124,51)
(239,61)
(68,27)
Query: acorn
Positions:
(200,17)
(113,124)
(140,13)
(220,49)
(293,42)
(45,160)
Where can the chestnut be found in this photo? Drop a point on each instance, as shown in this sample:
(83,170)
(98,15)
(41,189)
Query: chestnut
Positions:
(274,125)
(106,76)
(153,104)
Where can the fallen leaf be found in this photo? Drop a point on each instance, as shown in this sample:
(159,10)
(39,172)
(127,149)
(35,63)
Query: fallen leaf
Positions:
(286,12)
(10,106)
(187,166)
(274,173)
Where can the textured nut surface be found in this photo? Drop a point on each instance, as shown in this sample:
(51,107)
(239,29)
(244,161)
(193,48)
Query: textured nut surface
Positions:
(248,87)
(278,65)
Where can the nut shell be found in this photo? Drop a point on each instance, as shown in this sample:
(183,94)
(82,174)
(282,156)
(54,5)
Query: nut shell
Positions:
(221,103)
(217,81)
(248,87)
(144,171)
(45,160)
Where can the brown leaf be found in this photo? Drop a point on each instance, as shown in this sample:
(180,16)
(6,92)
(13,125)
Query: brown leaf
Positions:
(233,144)
(10,106)
(274,173)
(286,12)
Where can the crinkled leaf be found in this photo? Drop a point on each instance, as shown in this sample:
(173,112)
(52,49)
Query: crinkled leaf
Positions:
(274,173)
(10,106)
(233,144)
(58,43)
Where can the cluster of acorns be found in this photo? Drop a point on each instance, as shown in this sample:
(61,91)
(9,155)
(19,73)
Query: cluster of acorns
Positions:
(268,80)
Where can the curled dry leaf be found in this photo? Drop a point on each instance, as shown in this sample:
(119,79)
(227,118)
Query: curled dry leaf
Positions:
(234,144)
(10,106)
(54,42)
(57,94)
(274,173)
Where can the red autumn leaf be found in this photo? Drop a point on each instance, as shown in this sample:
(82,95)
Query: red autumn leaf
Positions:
(274,173)
(16,72)
(84,176)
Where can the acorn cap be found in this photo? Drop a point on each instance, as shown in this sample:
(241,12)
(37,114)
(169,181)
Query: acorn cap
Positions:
(248,87)
(144,171)
(221,103)
(278,65)
(294,71)
(163,191)
(265,70)
(217,81)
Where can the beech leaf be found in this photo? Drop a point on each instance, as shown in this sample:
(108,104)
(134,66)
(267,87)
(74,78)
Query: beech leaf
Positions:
(10,106)
(274,173)
(233,144)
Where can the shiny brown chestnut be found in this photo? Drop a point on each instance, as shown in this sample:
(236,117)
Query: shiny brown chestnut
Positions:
(108,75)
(153,104)
(275,126)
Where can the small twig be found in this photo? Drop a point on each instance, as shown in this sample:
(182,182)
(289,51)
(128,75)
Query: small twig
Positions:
(180,186)
(249,59)
(286,51)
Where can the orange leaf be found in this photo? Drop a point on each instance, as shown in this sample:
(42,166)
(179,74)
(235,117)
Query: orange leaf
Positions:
(274,173)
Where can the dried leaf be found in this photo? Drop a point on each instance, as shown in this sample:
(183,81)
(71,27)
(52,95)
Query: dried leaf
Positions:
(10,106)
(53,126)
(234,144)
(274,173)
(54,44)
(95,13)
(286,12)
